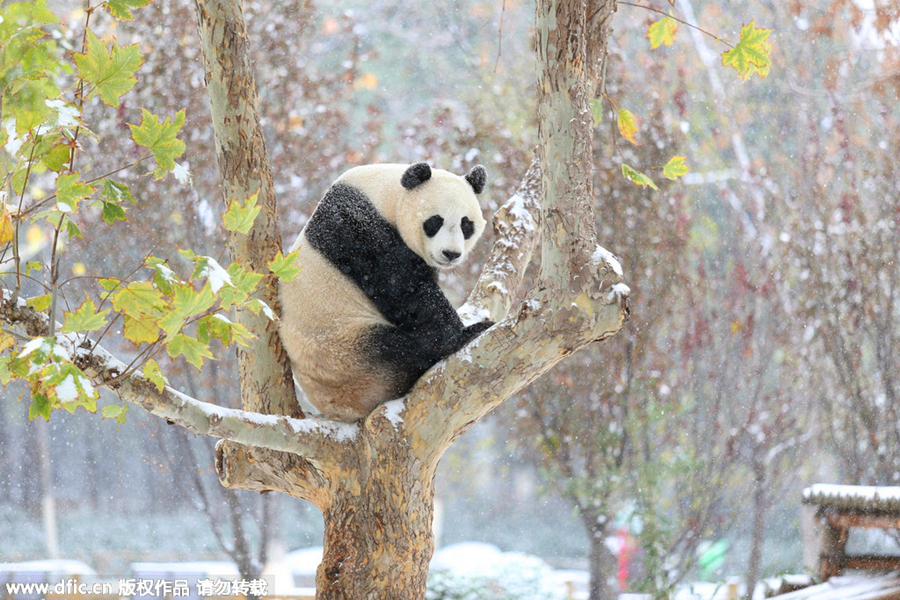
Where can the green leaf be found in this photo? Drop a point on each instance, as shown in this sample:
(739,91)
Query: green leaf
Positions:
(121,9)
(56,158)
(186,303)
(40,303)
(137,299)
(152,372)
(244,283)
(627,125)
(70,191)
(85,318)
(28,119)
(752,54)
(32,266)
(285,267)
(109,284)
(115,411)
(66,385)
(662,32)
(141,329)
(256,305)
(220,327)
(72,229)
(111,71)
(164,277)
(117,193)
(6,374)
(113,212)
(193,350)
(675,168)
(239,218)
(161,138)
(40,406)
(597,111)
(637,177)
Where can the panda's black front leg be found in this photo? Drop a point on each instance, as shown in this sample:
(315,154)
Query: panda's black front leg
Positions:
(473,331)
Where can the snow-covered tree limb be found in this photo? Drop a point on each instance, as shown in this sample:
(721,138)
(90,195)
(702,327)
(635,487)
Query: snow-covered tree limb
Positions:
(314,439)
(517,227)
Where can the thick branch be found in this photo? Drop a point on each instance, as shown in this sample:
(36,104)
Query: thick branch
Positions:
(517,228)
(267,385)
(565,130)
(264,470)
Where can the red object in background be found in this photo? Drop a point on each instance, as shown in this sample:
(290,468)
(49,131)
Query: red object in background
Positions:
(626,550)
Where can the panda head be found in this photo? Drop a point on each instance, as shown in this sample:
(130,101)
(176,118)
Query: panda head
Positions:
(438,215)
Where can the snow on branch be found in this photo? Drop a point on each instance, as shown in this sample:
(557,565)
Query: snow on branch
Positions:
(517,229)
(314,439)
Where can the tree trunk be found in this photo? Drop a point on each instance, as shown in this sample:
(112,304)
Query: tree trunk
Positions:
(378,533)
(759,528)
(48,500)
(600,564)
(267,385)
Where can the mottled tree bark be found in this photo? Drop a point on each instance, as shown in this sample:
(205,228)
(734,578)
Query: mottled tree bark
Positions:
(266,382)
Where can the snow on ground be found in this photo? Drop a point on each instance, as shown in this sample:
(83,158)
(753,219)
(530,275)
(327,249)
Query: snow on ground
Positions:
(465,557)
(296,572)
(60,567)
(223,569)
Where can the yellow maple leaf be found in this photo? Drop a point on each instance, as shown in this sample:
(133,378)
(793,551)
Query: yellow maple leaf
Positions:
(627,125)
(753,54)
(662,32)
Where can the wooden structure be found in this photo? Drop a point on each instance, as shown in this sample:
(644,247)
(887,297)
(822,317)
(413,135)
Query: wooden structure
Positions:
(882,587)
(828,513)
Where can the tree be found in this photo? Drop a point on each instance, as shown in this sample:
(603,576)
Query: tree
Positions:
(372,480)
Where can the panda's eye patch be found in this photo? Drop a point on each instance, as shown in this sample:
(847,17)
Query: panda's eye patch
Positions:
(467,226)
(433,225)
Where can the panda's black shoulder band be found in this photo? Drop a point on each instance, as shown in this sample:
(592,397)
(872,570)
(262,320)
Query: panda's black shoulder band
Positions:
(477,177)
(415,175)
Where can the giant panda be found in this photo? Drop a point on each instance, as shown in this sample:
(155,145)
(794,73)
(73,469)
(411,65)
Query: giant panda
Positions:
(365,317)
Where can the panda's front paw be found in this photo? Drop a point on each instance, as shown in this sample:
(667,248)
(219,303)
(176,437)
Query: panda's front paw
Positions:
(474,330)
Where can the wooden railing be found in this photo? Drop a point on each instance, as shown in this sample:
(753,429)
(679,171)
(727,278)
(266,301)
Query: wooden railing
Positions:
(828,514)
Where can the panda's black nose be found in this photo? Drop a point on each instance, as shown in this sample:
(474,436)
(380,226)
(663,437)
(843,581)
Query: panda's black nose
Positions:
(450,254)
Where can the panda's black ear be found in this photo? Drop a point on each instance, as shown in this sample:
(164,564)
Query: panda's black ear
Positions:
(477,177)
(416,174)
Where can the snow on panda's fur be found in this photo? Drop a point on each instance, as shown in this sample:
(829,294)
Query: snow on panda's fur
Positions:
(365,317)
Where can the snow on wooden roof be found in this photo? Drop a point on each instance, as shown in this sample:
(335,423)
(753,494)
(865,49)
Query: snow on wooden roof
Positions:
(868,498)
(885,587)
